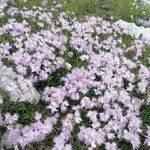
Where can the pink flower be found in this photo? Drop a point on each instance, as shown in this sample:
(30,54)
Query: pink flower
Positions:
(38,116)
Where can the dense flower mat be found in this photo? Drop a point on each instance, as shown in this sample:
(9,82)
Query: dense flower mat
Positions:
(90,75)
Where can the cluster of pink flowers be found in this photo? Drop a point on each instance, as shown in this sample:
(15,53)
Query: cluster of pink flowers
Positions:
(61,140)
(103,87)
(36,132)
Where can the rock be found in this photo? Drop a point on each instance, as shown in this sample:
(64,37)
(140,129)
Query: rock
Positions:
(134,30)
(145,22)
(145,2)
(19,88)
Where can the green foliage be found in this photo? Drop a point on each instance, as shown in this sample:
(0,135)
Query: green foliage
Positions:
(118,9)
(124,145)
(3,20)
(145,57)
(145,115)
(25,110)
(127,40)
(6,38)
(75,60)
(34,26)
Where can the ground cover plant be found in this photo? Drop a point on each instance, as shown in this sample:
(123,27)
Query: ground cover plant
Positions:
(69,83)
